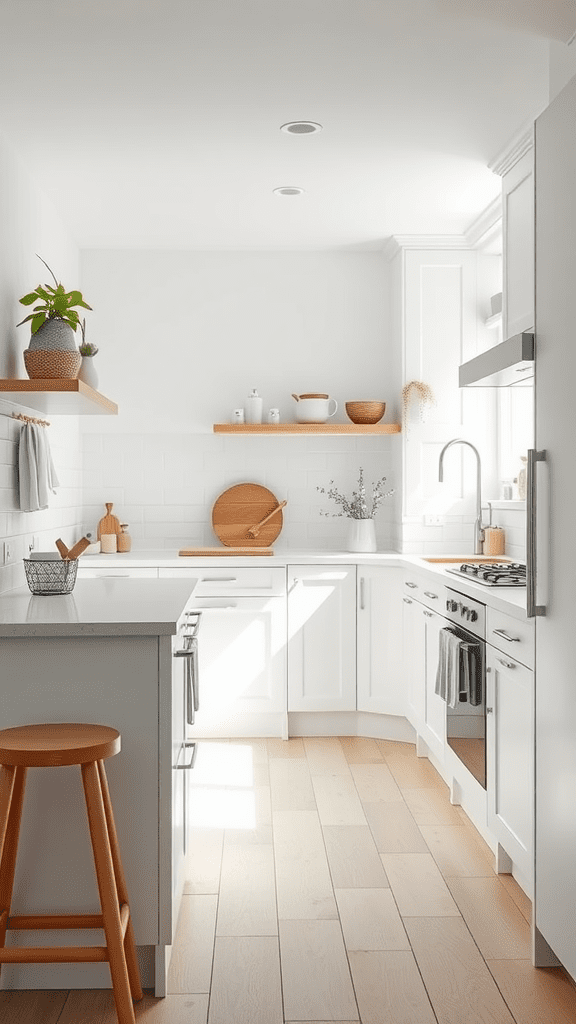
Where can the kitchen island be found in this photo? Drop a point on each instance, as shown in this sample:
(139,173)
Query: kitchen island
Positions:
(103,654)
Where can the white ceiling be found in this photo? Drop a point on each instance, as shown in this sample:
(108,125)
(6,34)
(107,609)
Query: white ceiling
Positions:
(155,123)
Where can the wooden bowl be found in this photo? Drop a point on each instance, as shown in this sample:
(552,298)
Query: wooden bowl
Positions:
(365,412)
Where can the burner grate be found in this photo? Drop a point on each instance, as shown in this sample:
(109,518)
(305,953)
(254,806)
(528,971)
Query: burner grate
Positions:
(494,574)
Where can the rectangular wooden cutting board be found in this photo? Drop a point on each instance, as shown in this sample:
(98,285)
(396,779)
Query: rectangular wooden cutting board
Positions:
(209,552)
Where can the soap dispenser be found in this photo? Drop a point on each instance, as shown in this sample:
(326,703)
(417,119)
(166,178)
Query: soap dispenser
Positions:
(253,407)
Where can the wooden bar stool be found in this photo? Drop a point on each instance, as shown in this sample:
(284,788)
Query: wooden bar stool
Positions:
(41,746)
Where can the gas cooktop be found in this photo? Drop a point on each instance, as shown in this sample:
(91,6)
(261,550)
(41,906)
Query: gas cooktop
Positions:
(493,574)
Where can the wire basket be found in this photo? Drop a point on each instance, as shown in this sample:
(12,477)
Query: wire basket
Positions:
(57,576)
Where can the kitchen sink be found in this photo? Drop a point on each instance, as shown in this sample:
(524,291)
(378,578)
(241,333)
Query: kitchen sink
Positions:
(485,559)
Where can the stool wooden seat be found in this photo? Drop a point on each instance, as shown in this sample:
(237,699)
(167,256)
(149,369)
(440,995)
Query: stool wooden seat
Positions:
(53,745)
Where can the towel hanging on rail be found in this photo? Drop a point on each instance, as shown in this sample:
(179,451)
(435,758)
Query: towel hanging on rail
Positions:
(37,476)
(458,676)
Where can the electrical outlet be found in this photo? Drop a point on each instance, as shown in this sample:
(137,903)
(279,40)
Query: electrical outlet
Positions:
(432,520)
(7,552)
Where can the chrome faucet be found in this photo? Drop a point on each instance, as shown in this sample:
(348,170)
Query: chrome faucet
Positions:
(478,528)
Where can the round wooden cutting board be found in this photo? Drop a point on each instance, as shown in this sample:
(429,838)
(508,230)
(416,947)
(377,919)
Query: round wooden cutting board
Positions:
(241,507)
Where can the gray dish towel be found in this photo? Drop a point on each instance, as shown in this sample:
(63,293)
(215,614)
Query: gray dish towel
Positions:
(470,673)
(448,672)
(37,476)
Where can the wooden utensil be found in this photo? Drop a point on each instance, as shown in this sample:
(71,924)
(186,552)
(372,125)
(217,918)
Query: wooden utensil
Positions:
(62,548)
(240,507)
(78,548)
(108,523)
(255,530)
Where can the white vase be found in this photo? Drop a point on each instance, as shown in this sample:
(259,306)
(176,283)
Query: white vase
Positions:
(87,372)
(361,535)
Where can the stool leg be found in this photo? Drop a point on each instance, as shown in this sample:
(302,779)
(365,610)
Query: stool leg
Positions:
(108,893)
(129,943)
(12,783)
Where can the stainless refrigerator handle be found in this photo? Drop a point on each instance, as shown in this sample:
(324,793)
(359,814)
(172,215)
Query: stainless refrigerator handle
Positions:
(532,609)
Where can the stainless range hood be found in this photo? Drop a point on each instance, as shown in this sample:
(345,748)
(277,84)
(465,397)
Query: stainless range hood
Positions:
(509,363)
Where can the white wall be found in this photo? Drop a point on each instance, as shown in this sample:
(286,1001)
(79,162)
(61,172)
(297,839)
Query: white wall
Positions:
(29,225)
(562,66)
(183,338)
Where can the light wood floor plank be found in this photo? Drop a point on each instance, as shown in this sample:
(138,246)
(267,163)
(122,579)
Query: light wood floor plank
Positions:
(203,860)
(370,919)
(39,1007)
(389,989)
(285,748)
(257,746)
(456,852)
(315,973)
(191,963)
(353,858)
(413,772)
(536,995)
(325,755)
(97,1007)
(360,749)
(246,985)
(522,901)
(247,904)
(499,929)
(291,785)
(242,836)
(394,828)
(375,783)
(459,984)
(392,748)
(431,807)
(418,886)
(337,800)
(303,883)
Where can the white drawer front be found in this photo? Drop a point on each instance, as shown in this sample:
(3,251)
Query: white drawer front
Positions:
(514,637)
(256,582)
(90,572)
(428,592)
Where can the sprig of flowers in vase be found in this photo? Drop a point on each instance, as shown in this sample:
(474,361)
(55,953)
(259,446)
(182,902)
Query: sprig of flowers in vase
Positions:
(356,507)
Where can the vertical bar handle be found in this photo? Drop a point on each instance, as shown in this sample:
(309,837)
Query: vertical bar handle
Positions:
(532,608)
(362,594)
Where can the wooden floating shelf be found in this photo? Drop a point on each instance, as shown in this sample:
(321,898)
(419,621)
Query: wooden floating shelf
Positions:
(306,428)
(56,397)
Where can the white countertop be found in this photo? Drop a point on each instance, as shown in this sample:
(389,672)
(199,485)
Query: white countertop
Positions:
(506,599)
(101,607)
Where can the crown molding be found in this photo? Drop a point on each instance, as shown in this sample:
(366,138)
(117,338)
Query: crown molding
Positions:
(483,231)
(522,143)
(396,243)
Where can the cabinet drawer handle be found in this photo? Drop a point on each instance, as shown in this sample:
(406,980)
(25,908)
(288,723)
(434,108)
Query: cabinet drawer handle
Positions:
(362,601)
(506,636)
(507,664)
(407,600)
(489,711)
(218,579)
(430,594)
(413,585)
(428,614)
(190,763)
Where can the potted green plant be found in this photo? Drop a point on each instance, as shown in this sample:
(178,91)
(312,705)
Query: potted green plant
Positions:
(52,350)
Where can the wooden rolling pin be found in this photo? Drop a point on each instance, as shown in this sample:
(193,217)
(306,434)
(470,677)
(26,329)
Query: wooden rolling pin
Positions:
(255,530)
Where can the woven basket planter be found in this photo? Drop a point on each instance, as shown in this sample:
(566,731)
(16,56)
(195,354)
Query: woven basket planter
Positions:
(49,364)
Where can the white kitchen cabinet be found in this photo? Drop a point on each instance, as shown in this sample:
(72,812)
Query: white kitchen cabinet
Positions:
(518,245)
(322,638)
(414,660)
(93,572)
(379,654)
(510,759)
(434,724)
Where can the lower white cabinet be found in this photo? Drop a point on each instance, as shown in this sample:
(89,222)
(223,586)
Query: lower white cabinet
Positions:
(321,638)
(510,757)
(426,710)
(413,660)
(434,724)
(379,653)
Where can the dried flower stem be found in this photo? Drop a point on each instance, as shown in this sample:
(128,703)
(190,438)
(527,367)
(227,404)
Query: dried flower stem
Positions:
(356,507)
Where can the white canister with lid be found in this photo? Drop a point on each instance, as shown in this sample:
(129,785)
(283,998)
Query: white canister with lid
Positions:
(253,407)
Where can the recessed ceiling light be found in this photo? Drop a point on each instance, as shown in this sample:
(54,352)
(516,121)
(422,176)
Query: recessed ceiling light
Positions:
(288,190)
(301,127)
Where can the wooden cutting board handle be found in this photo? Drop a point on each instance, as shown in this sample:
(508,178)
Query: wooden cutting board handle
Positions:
(109,523)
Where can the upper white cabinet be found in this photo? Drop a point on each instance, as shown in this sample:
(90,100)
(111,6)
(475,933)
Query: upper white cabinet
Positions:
(322,638)
(379,619)
(518,240)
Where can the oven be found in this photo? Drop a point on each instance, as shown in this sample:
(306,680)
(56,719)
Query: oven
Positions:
(461,680)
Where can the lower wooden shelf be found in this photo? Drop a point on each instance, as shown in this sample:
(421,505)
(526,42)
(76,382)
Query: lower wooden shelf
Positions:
(307,428)
(70,397)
